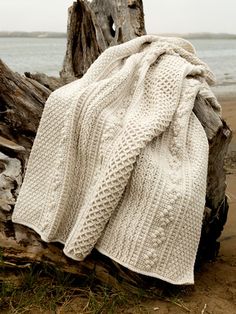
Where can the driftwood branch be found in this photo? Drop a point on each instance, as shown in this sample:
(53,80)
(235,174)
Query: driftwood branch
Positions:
(21,105)
(219,136)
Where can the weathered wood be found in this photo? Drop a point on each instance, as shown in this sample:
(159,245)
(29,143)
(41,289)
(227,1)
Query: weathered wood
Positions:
(120,22)
(84,40)
(219,136)
(21,105)
(92,27)
(50,82)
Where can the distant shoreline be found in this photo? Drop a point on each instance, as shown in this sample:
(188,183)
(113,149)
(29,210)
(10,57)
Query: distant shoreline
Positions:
(204,35)
(18,34)
(6,34)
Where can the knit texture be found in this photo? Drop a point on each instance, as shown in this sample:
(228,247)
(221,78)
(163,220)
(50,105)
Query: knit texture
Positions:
(119,161)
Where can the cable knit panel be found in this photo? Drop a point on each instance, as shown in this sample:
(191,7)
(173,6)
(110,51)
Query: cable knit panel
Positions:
(119,161)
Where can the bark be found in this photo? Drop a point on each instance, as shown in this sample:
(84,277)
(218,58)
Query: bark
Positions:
(21,104)
(50,82)
(92,27)
(216,209)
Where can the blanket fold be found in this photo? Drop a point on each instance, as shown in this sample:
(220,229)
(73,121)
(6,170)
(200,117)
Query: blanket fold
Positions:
(119,161)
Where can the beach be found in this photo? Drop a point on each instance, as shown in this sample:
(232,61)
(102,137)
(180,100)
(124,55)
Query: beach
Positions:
(228,239)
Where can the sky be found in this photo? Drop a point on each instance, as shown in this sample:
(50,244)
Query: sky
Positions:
(161,16)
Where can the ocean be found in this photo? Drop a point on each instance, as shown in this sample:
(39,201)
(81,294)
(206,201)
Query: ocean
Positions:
(46,55)
(33,54)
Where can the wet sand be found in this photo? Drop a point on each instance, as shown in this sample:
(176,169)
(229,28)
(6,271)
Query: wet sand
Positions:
(228,238)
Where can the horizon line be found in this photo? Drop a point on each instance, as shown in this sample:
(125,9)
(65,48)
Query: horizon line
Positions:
(64,32)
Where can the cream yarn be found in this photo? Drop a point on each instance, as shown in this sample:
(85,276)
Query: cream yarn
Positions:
(119,161)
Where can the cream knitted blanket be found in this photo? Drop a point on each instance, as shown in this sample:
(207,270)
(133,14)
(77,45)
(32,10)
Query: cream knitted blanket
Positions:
(119,161)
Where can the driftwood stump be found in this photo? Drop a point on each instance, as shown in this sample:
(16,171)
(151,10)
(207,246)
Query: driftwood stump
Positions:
(90,31)
(92,27)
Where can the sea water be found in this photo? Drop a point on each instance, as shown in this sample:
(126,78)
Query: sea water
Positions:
(46,55)
(33,54)
(220,55)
